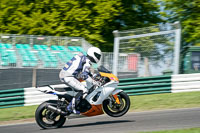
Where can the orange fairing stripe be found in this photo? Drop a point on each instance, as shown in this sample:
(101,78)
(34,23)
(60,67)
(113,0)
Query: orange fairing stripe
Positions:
(95,110)
(109,75)
(116,99)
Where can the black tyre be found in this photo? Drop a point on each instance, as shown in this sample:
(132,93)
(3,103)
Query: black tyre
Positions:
(47,119)
(116,110)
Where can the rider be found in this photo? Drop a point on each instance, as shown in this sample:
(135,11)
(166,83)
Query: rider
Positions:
(79,68)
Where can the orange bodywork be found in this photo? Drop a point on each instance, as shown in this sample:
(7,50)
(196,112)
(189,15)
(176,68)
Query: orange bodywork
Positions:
(95,110)
(110,76)
(116,99)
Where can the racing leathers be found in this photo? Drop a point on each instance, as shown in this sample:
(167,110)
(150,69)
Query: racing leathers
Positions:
(74,70)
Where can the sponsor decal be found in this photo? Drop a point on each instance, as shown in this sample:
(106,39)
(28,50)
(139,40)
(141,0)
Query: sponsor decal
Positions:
(112,78)
(66,65)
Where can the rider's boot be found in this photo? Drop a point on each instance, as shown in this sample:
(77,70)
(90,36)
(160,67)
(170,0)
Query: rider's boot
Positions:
(71,107)
(75,101)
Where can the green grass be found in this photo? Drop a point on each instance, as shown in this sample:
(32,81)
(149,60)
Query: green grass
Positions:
(191,130)
(138,103)
(165,101)
(17,113)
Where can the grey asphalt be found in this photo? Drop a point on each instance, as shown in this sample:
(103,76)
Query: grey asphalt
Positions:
(129,123)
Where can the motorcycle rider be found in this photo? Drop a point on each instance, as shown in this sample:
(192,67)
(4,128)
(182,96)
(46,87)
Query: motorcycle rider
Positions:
(78,68)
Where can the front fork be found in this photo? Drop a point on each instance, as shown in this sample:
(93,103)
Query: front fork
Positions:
(114,96)
(114,100)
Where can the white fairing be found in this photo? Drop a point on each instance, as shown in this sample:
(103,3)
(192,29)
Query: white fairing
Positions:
(104,92)
(45,89)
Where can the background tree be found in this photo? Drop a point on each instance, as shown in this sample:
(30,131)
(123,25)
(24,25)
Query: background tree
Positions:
(134,14)
(188,13)
(92,19)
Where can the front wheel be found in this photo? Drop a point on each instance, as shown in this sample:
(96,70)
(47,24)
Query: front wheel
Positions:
(117,109)
(47,119)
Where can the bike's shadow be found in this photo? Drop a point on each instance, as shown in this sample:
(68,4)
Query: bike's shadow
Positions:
(98,123)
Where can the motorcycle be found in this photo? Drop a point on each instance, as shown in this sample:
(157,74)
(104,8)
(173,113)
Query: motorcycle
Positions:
(102,98)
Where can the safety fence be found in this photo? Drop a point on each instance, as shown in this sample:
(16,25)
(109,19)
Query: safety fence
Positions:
(185,83)
(147,85)
(34,97)
(132,86)
(11,98)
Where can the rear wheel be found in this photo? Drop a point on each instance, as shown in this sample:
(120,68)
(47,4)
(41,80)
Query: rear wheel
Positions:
(48,119)
(117,109)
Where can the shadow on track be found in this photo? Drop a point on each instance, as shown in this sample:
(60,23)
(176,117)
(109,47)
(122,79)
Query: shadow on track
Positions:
(98,123)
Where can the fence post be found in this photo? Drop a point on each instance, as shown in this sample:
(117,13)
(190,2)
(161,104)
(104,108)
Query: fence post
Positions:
(146,64)
(116,52)
(177,49)
(34,77)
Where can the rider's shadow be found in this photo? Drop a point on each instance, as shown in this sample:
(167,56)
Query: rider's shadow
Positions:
(99,123)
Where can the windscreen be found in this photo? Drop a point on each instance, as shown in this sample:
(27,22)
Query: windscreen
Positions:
(103,69)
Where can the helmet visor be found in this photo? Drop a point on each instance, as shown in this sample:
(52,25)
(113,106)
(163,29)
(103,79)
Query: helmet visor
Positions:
(98,56)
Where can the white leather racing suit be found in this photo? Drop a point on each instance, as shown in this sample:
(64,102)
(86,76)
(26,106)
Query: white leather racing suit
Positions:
(78,67)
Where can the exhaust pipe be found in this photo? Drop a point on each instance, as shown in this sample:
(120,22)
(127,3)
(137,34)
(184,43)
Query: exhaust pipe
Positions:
(56,110)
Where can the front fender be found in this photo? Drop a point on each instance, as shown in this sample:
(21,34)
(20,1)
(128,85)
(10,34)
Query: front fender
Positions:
(116,91)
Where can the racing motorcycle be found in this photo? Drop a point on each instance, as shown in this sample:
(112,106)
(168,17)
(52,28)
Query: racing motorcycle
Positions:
(102,98)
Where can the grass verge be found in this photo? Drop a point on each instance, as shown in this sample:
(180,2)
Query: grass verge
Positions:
(17,113)
(138,103)
(165,101)
(191,130)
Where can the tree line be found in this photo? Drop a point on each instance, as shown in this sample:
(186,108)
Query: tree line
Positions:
(95,20)
(92,19)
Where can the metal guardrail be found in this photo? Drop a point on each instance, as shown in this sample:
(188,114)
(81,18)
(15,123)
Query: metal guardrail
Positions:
(185,82)
(132,86)
(11,98)
(146,85)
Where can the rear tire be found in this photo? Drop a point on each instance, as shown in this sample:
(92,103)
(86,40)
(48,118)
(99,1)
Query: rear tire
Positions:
(117,110)
(47,119)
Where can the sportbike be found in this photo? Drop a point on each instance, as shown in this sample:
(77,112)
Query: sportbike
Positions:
(102,98)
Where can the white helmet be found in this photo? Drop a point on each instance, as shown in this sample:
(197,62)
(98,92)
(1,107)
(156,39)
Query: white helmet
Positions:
(94,54)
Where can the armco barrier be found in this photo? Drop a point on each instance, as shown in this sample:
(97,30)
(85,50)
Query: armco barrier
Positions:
(147,85)
(133,86)
(11,98)
(185,82)
(34,97)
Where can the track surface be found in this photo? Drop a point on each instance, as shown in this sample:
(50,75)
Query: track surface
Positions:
(131,122)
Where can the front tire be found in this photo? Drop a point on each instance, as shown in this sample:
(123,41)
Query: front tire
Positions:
(116,110)
(47,119)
